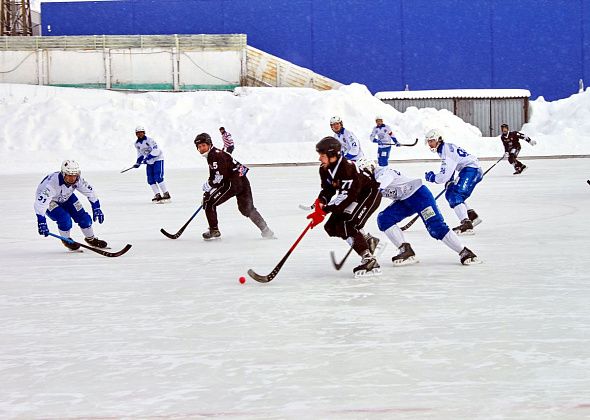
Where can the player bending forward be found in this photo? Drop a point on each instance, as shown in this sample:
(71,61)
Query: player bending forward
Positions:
(350,196)
(410,197)
(55,198)
(227,179)
(454,158)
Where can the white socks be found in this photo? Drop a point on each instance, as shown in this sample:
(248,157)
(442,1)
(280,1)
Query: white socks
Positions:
(461,211)
(452,241)
(395,235)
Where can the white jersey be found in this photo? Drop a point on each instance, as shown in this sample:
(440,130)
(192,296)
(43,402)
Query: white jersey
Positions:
(147,146)
(454,159)
(382,135)
(394,185)
(351,148)
(53,191)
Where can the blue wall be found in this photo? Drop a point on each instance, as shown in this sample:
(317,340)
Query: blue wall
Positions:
(540,45)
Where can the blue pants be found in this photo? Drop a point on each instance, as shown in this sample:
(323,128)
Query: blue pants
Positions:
(421,202)
(460,191)
(383,155)
(65,212)
(155,172)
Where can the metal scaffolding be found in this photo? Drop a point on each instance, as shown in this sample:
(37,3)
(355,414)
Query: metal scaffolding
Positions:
(15,18)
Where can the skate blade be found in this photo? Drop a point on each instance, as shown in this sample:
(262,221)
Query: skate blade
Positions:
(472,261)
(476,222)
(407,261)
(364,273)
(212,239)
(167,200)
(469,232)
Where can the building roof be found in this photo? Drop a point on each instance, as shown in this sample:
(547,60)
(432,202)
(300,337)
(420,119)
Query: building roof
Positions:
(455,93)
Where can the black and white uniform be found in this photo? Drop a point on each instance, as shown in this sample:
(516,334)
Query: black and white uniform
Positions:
(227,179)
(511,142)
(351,196)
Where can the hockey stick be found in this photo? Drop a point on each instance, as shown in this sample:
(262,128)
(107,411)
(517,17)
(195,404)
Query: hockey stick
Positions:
(307,208)
(411,222)
(128,169)
(275,271)
(177,234)
(338,265)
(402,144)
(97,250)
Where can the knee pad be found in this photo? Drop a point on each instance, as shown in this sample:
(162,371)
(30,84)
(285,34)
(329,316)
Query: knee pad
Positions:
(436,226)
(334,230)
(383,223)
(64,223)
(82,218)
(511,159)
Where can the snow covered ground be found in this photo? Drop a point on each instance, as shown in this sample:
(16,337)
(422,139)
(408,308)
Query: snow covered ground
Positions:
(167,332)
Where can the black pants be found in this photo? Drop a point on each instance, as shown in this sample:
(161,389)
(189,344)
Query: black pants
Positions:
(238,187)
(512,155)
(348,224)
(229,149)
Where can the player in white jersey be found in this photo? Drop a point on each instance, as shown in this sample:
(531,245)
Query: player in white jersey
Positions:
(456,159)
(351,148)
(383,136)
(410,197)
(55,198)
(149,153)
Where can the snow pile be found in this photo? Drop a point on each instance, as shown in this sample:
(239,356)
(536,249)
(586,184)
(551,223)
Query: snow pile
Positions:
(41,125)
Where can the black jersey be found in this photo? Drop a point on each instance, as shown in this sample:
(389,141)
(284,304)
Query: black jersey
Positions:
(223,168)
(347,182)
(512,140)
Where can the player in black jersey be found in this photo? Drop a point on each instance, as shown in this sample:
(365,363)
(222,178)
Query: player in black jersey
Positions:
(511,142)
(227,179)
(350,196)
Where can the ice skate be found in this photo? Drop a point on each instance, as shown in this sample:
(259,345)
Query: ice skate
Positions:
(474,217)
(266,233)
(519,170)
(369,267)
(211,234)
(465,228)
(95,242)
(468,257)
(156,198)
(406,256)
(72,246)
(163,199)
(373,242)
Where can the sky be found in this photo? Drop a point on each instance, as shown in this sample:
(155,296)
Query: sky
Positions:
(41,126)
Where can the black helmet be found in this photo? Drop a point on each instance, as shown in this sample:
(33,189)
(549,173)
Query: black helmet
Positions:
(503,125)
(203,138)
(328,146)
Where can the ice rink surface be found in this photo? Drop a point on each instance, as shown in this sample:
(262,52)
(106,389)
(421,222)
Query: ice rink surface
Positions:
(167,332)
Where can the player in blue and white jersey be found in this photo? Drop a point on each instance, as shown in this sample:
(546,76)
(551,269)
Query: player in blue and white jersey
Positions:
(383,136)
(456,159)
(410,197)
(149,153)
(351,148)
(55,198)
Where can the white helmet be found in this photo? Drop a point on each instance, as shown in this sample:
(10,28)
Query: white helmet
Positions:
(70,167)
(335,119)
(139,128)
(379,117)
(433,134)
(367,164)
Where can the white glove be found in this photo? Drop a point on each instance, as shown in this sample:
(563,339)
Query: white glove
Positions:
(207,187)
(532,142)
(506,154)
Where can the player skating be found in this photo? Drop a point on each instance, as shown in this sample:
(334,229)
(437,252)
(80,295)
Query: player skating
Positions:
(55,198)
(149,153)
(228,141)
(227,179)
(350,196)
(511,142)
(383,136)
(350,146)
(410,197)
(454,158)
